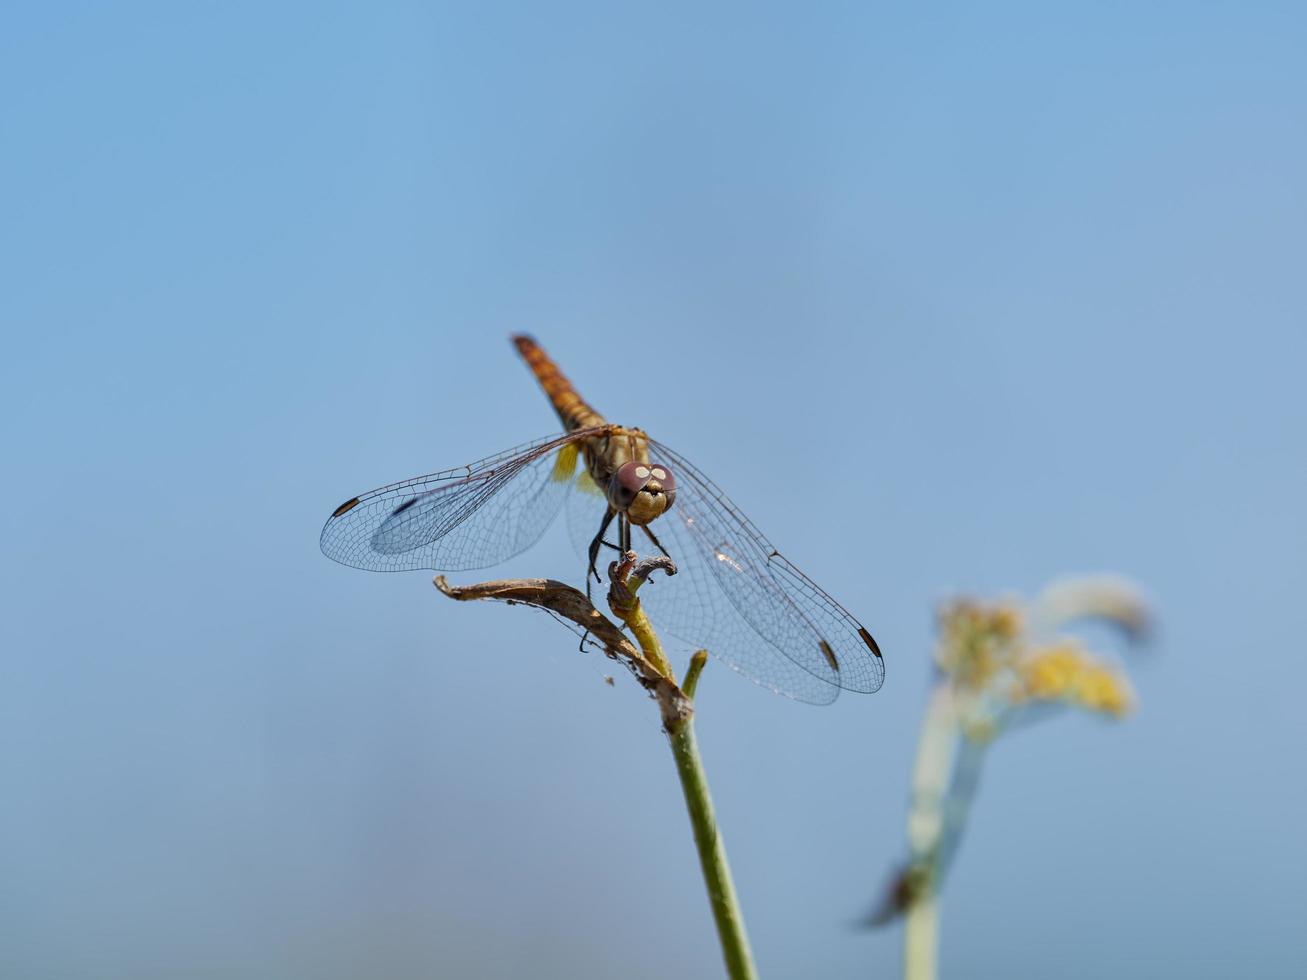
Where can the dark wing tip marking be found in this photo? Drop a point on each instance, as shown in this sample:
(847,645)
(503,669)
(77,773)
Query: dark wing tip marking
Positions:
(829,654)
(871,643)
(346,507)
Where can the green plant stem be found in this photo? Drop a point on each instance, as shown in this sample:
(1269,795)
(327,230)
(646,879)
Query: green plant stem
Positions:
(633,616)
(712,853)
(679,725)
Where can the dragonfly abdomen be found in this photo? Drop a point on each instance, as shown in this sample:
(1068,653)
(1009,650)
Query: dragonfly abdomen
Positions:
(571,408)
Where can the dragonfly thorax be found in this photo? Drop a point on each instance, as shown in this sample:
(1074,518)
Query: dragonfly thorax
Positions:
(642,491)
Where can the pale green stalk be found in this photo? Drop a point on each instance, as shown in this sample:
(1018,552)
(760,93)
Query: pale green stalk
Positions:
(921,938)
(930,777)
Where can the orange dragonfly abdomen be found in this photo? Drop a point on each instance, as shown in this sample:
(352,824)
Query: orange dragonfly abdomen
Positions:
(572,409)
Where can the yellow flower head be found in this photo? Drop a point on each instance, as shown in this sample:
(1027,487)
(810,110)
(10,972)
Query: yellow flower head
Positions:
(1102,689)
(1048,674)
(1065,672)
(977,642)
(998,656)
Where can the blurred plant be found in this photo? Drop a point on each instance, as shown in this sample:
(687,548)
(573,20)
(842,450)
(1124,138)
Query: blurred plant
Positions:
(999,664)
(648,663)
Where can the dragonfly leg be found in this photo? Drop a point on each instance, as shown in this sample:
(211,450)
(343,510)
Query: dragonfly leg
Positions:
(594,551)
(624,532)
(657,544)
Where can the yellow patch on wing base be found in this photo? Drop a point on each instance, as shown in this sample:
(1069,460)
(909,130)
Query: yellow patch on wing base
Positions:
(565,465)
(586,484)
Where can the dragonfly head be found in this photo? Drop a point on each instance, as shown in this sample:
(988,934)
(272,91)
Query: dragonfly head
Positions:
(642,491)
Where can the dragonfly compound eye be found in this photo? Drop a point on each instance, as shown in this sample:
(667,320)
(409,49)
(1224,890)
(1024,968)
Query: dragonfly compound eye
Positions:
(662,476)
(629,480)
(643,490)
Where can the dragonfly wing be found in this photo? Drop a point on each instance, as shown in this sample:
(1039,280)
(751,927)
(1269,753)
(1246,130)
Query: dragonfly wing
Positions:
(471,517)
(821,646)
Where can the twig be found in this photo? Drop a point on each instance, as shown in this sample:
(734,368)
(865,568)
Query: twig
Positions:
(691,682)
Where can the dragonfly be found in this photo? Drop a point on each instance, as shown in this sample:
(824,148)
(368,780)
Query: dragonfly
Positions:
(734,593)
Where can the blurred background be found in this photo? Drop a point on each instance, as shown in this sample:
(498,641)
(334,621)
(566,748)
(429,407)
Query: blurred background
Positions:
(1035,275)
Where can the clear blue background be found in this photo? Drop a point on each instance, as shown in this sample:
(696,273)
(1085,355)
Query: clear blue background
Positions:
(948,299)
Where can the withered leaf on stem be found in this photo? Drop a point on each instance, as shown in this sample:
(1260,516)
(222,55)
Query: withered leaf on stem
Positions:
(571,604)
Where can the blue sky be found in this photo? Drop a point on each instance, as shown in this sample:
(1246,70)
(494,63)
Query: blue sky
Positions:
(1000,293)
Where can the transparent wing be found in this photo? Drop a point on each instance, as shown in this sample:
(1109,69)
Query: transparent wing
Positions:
(747,603)
(471,517)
